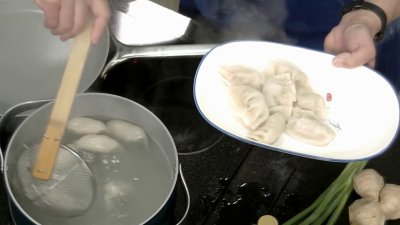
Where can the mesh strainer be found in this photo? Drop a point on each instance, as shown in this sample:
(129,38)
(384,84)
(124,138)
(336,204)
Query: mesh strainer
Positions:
(52,176)
(69,191)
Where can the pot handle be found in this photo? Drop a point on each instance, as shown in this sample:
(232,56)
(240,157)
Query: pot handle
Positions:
(162,51)
(187,193)
(15,111)
(21,108)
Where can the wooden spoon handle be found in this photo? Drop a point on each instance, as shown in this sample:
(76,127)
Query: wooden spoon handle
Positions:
(51,141)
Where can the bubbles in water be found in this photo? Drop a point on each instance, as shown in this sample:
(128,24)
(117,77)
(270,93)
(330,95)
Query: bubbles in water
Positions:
(117,195)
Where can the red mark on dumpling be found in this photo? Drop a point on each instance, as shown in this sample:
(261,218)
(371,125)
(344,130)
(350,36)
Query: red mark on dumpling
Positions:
(328,97)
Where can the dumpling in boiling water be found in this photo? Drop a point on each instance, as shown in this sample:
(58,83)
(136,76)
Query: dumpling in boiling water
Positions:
(97,143)
(126,131)
(85,125)
(249,105)
(314,102)
(116,195)
(241,75)
(310,131)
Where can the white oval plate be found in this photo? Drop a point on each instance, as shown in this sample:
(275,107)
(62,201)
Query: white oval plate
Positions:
(364,104)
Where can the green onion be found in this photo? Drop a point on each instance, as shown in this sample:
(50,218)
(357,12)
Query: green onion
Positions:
(330,204)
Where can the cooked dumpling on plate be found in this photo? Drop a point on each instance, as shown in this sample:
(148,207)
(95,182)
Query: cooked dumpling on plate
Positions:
(285,110)
(271,130)
(302,82)
(299,78)
(299,112)
(309,130)
(314,102)
(279,90)
(249,105)
(241,75)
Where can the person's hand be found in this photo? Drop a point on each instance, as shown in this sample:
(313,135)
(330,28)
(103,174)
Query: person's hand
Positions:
(353,41)
(66,18)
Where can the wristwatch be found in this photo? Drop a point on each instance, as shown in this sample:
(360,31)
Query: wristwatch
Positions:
(361,4)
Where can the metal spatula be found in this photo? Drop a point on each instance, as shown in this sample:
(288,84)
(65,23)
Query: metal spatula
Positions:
(62,106)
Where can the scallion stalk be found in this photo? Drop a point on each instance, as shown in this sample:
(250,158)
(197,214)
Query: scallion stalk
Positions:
(329,205)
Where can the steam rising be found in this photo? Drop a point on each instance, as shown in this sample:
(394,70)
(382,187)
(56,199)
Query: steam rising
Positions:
(243,19)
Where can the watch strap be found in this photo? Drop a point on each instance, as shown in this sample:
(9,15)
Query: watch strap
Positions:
(360,4)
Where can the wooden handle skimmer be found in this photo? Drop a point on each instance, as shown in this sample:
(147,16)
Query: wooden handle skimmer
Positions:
(51,141)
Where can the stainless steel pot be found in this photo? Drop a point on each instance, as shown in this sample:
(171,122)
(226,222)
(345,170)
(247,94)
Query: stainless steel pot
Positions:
(97,104)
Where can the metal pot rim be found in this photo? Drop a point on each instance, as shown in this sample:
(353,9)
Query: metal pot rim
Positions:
(175,167)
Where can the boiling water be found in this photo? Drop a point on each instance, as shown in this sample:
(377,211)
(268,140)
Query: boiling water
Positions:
(131,184)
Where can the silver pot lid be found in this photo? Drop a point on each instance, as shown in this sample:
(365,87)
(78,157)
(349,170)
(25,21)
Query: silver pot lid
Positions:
(32,60)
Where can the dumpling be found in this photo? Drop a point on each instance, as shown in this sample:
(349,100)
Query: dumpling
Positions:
(299,112)
(299,78)
(285,110)
(279,90)
(314,102)
(85,125)
(249,104)
(97,143)
(271,130)
(286,67)
(287,97)
(278,67)
(126,131)
(302,82)
(309,130)
(117,194)
(241,75)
